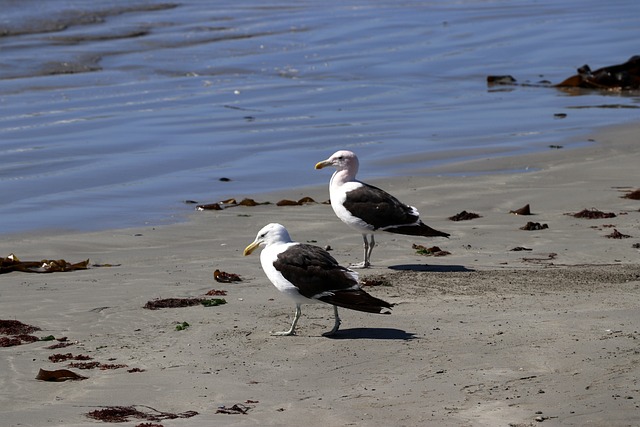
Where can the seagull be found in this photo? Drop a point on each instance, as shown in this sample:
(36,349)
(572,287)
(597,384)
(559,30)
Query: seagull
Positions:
(309,274)
(369,209)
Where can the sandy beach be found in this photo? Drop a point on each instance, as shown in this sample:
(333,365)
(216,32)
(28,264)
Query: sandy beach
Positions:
(485,336)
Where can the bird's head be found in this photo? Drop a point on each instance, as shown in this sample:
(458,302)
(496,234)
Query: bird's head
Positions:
(269,234)
(341,160)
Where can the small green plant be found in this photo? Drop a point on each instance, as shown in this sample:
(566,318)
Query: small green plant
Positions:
(182,326)
(213,302)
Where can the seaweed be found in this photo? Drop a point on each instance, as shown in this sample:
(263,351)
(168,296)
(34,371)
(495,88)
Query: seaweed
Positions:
(58,357)
(237,408)
(9,341)
(525,210)
(464,216)
(59,345)
(84,365)
(15,327)
(216,292)
(617,235)
(19,333)
(619,77)
(17,340)
(28,338)
(183,302)
(106,366)
(432,251)
(550,257)
(58,375)
(122,414)
(231,203)
(172,303)
(501,80)
(534,226)
(592,213)
(634,195)
(13,263)
(300,202)
(624,76)
(94,365)
(375,281)
(224,277)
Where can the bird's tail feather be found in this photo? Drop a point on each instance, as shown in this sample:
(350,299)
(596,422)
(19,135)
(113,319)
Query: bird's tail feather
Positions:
(419,229)
(357,299)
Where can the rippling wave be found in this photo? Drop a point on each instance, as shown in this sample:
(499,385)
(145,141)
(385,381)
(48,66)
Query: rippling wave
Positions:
(113,113)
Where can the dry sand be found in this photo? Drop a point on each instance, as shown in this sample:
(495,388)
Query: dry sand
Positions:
(485,336)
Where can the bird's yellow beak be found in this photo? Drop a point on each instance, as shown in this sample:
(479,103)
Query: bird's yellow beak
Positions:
(252,247)
(323,164)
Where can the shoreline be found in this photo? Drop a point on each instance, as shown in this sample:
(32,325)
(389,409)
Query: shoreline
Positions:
(490,162)
(484,336)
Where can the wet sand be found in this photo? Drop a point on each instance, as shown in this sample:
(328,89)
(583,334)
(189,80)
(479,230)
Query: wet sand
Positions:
(485,336)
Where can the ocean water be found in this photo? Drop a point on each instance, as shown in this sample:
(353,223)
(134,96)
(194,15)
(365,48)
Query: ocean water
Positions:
(113,113)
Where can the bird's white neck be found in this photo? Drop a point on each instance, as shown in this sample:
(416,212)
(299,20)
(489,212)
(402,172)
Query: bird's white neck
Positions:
(341,177)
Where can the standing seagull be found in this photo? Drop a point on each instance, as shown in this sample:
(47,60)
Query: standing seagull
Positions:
(308,274)
(369,209)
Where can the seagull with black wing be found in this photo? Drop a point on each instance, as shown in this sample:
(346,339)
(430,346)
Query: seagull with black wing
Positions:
(309,274)
(368,209)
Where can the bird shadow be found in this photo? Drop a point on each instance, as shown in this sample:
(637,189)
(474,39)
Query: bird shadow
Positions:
(373,334)
(432,268)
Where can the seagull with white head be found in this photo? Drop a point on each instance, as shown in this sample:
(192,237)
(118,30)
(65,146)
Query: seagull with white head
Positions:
(309,274)
(369,209)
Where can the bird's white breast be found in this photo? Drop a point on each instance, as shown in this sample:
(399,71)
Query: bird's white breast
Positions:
(338,195)
(267,258)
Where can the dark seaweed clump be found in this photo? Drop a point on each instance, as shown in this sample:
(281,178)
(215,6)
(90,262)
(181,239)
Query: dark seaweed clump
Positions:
(592,214)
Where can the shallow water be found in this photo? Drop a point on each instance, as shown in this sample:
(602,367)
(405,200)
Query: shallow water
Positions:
(112,114)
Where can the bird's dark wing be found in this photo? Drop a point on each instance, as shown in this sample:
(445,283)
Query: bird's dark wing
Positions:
(378,208)
(313,270)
